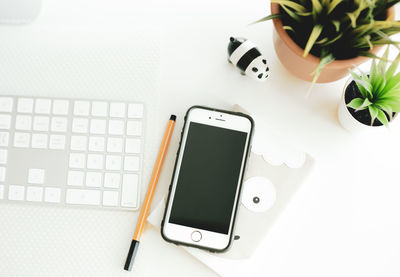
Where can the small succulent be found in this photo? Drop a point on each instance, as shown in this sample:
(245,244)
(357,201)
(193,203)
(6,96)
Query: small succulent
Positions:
(380,90)
(337,29)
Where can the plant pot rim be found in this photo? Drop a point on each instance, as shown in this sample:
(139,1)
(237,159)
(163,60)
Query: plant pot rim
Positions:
(311,58)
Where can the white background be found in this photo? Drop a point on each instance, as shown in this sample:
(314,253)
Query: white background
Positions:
(345,219)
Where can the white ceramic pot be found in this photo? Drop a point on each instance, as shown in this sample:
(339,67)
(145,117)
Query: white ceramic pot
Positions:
(349,122)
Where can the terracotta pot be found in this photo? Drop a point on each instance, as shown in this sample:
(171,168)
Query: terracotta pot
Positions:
(291,56)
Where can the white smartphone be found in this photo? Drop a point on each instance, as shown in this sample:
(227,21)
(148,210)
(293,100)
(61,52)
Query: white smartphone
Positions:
(205,188)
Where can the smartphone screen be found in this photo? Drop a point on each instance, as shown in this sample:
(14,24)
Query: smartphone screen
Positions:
(208,178)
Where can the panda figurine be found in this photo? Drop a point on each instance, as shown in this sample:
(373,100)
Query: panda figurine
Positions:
(244,55)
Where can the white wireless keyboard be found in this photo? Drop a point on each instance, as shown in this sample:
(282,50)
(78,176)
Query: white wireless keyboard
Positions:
(71,152)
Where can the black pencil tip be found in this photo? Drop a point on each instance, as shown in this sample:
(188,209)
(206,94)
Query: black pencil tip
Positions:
(131,255)
(173,117)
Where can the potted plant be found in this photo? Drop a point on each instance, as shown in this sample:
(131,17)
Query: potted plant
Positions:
(371,100)
(318,40)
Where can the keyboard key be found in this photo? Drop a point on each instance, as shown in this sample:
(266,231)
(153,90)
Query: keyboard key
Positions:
(16,192)
(110,198)
(3,156)
(95,161)
(97,126)
(117,110)
(99,108)
(60,107)
(93,179)
(4,137)
(41,123)
(129,190)
(59,124)
(25,105)
(5,121)
(83,196)
(96,144)
(36,176)
(57,142)
(132,146)
(114,145)
(135,110)
(76,160)
(52,195)
(131,163)
(42,106)
(23,122)
(78,143)
(81,108)
(134,128)
(113,162)
(75,178)
(80,125)
(34,194)
(39,141)
(2,174)
(1,191)
(116,127)
(112,180)
(6,104)
(21,140)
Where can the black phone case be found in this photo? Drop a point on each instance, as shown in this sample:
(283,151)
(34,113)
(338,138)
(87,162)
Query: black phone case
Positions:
(240,184)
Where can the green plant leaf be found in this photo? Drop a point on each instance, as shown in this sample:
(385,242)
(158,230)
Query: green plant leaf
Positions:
(291,4)
(289,28)
(379,25)
(325,59)
(385,42)
(322,41)
(364,86)
(362,30)
(316,31)
(386,38)
(395,92)
(317,7)
(269,17)
(378,79)
(304,13)
(374,75)
(368,54)
(383,62)
(332,5)
(394,103)
(393,67)
(388,109)
(355,103)
(368,40)
(392,82)
(366,78)
(292,14)
(373,112)
(353,19)
(336,23)
(324,2)
(382,118)
(333,40)
(366,103)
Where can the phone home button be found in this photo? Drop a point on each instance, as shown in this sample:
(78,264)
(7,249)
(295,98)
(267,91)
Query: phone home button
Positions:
(196,236)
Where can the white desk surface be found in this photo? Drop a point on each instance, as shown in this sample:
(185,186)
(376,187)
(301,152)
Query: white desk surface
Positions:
(343,222)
